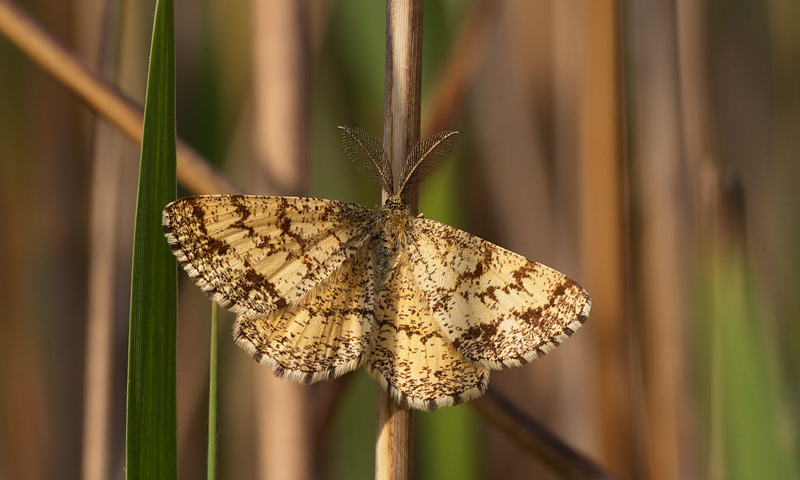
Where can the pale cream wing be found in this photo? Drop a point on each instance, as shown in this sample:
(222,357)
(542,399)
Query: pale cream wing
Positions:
(497,307)
(260,254)
(412,359)
(326,335)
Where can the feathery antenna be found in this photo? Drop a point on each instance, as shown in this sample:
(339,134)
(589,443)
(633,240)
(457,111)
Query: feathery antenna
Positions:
(368,154)
(427,157)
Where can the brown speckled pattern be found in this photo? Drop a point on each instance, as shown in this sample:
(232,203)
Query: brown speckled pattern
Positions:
(321,287)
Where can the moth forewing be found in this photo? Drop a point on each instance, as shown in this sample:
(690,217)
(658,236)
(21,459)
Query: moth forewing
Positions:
(496,307)
(260,254)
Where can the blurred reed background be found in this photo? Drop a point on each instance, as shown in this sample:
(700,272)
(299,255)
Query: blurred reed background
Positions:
(648,149)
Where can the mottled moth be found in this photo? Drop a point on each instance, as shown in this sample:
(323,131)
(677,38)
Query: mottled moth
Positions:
(321,287)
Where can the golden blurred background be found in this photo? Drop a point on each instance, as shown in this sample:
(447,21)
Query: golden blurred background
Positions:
(648,149)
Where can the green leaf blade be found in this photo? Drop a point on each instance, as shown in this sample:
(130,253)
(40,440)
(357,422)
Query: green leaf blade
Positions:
(151,430)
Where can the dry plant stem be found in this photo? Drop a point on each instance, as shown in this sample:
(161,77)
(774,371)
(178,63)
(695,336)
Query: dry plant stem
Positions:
(213,356)
(108,157)
(99,330)
(702,161)
(658,282)
(279,131)
(280,70)
(535,438)
(194,172)
(402,93)
(603,231)
(402,87)
(394,455)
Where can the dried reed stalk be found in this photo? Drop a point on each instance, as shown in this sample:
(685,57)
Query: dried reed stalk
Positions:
(401,129)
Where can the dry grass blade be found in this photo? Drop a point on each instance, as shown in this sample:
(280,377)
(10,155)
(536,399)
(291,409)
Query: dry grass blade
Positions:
(535,438)
(368,155)
(427,157)
(194,171)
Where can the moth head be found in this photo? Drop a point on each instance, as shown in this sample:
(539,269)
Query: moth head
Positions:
(396,204)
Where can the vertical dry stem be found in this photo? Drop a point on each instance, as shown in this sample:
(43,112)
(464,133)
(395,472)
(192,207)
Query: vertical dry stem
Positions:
(658,245)
(281,107)
(603,231)
(110,231)
(394,446)
(101,303)
(402,88)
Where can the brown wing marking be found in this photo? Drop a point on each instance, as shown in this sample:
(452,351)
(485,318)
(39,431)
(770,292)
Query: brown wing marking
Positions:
(497,307)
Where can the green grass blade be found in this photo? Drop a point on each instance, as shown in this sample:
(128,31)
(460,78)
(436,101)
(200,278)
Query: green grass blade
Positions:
(212,395)
(151,430)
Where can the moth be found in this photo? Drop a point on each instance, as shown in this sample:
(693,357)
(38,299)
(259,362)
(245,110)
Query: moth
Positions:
(321,287)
